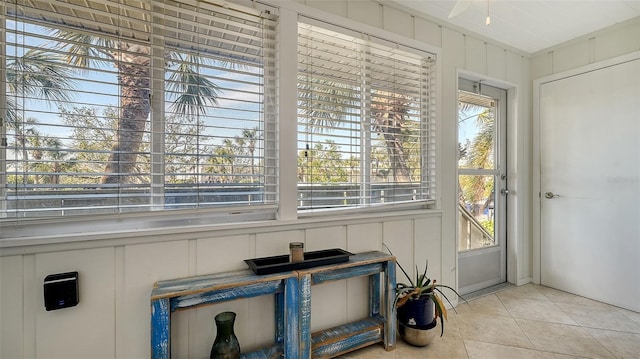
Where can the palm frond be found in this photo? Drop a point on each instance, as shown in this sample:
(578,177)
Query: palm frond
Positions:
(39,74)
(324,101)
(195,91)
(85,51)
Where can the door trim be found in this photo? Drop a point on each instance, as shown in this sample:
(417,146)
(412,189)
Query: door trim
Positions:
(518,164)
(536,165)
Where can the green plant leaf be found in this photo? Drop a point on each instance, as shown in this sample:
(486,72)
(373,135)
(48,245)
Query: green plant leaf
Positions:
(424,274)
(402,269)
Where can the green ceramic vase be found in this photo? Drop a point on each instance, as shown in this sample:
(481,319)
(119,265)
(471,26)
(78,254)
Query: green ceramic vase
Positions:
(226,345)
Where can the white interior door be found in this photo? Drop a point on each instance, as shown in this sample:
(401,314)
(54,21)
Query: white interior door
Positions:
(590,186)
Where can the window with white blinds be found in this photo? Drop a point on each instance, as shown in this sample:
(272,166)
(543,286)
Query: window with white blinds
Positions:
(118,106)
(366,121)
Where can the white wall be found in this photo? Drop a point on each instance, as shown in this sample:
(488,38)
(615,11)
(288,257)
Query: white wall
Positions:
(608,43)
(112,319)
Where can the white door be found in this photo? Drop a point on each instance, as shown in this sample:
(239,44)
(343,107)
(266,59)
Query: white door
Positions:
(482,185)
(590,184)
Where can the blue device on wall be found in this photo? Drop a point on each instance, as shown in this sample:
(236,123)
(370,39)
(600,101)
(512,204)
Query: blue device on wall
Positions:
(61,290)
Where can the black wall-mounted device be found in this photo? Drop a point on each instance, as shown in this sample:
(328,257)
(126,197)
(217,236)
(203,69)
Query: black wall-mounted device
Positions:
(61,290)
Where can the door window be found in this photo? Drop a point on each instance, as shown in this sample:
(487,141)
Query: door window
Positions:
(477,167)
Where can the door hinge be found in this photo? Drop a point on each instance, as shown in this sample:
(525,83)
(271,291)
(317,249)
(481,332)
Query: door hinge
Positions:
(3,142)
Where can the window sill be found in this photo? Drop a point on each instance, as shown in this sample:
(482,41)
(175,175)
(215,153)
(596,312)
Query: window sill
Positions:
(41,231)
(93,234)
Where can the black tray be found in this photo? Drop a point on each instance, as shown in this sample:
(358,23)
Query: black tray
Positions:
(275,264)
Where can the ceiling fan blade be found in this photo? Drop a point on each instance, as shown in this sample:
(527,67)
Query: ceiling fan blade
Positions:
(459,8)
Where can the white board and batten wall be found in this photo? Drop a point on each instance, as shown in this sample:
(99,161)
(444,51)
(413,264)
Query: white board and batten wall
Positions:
(117,274)
(112,318)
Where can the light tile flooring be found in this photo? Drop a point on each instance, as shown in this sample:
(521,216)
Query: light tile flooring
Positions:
(527,322)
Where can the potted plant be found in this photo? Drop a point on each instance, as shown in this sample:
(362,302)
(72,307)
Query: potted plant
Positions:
(419,304)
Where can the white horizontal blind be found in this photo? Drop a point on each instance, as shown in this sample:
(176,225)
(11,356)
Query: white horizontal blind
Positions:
(136,105)
(234,53)
(330,109)
(366,121)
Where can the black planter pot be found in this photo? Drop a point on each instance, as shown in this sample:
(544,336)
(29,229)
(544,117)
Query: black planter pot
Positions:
(417,313)
(416,321)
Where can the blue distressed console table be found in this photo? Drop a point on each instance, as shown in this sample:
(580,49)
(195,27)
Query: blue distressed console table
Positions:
(292,291)
(169,296)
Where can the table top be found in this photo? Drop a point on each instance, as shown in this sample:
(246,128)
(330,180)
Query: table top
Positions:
(219,281)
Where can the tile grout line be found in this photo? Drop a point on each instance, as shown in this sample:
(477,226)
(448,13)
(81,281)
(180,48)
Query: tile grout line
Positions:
(516,321)
(578,324)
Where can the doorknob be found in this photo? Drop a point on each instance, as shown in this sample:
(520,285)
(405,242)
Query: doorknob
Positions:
(550,195)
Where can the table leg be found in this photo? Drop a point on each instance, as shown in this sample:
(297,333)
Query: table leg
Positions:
(291,319)
(280,319)
(390,310)
(374,294)
(160,329)
(304,316)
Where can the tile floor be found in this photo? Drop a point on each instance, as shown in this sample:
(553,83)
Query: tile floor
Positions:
(527,322)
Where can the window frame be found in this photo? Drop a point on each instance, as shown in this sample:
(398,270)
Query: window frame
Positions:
(284,110)
(429,110)
(156,200)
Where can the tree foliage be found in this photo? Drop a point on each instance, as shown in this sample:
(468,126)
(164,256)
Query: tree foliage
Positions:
(323,163)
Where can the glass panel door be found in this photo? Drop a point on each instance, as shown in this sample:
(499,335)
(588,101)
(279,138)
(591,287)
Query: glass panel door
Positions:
(481,186)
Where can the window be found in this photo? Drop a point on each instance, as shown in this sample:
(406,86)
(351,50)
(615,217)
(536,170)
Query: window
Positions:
(136,105)
(366,121)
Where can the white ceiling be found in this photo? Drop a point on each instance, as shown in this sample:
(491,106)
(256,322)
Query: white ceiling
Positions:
(531,25)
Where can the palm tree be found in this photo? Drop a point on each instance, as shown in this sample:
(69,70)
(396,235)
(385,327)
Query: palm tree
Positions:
(132,62)
(35,74)
(36,142)
(223,157)
(22,131)
(389,113)
(60,164)
(29,139)
(380,165)
(57,158)
(388,117)
(251,137)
